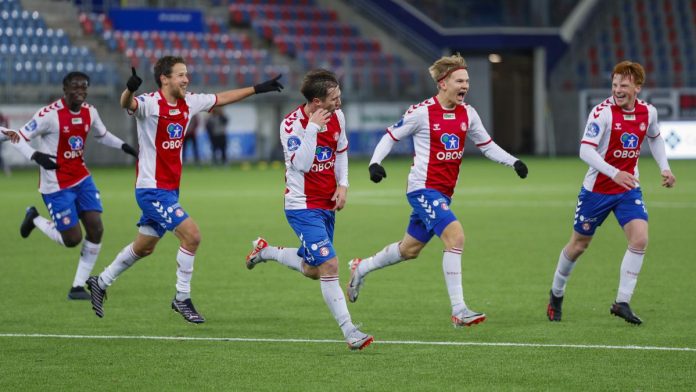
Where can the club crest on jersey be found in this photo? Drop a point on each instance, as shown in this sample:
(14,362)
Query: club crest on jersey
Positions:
(76,120)
(592,130)
(294,143)
(175,131)
(323,153)
(643,127)
(629,141)
(76,143)
(463,126)
(450,141)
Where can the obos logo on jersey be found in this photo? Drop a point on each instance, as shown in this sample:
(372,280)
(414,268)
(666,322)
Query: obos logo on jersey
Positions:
(324,153)
(451,143)
(76,145)
(176,132)
(629,142)
(294,143)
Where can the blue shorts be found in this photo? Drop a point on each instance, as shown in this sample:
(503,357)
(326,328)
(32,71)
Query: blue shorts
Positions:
(315,228)
(66,205)
(431,214)
(161,209)
(593,208)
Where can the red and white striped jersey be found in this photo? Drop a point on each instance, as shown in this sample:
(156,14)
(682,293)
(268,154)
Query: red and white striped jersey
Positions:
(315,188)
(161,129)
(617,135)
(63,133)
(438,137)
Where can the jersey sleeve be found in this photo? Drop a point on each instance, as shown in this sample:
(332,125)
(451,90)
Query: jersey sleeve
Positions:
(653,124)
(597,125)
(343,137)
(41,124)
(97,126)
(477,132)
(200,102)
(407,125)
(146,104)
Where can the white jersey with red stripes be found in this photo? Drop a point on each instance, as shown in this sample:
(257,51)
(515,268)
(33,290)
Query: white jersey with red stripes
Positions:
(62,133)
(617,134)
(161,129)
(315,188)
(438,136)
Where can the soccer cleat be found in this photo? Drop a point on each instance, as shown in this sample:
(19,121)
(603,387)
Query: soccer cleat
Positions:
(621,309)
(355,283)
(187,310)
(553,310)
(467,318)
(358,340)
(78,292)
(28,222)
(254,257)
(97,295)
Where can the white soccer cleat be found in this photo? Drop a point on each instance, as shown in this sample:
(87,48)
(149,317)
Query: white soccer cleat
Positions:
(254,257)
(467,318)
(358,340)
(355,282)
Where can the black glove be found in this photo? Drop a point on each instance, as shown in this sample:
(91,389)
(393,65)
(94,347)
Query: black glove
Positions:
(44,160)
(269,85)
(128,149)
(377,172)
(134,81)
(521,169)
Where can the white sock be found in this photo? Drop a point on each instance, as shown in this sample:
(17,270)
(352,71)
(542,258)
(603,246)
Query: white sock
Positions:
(285,256)
(630,268)
(560,277)
(124,260)
(184,270)
(333,296)
(48,227)
(385,257)
(88,257)
(452,268)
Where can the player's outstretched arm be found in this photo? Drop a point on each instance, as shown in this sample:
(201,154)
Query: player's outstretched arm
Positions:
(520,168)
(382,149)
(232,96)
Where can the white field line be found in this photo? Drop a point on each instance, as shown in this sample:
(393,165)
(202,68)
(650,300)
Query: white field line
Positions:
(394,342)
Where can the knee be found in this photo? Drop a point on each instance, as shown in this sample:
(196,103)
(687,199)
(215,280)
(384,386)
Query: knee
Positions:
(639,243)
(143,251)
(71,241)
(409,253)
(576,248)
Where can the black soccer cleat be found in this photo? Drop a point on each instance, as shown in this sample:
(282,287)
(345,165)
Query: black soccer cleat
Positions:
(78,293)
(28,222)
(97,295)
(621,309)
(187,310)
(553,310)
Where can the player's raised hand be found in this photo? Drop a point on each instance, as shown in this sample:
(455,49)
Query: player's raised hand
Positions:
(668,179)
(12,136)
(377,172)
(269,85)
(44,160)
(626,180)
(134,81)
(320,117)
(520,168)
(128,149)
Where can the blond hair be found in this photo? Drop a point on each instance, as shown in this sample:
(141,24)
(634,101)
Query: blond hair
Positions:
(443,67)
(630,69)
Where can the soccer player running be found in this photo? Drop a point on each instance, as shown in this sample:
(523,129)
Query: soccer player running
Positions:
(162,118)
(611,144)
(65,183)
(439,126)
(314,141)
